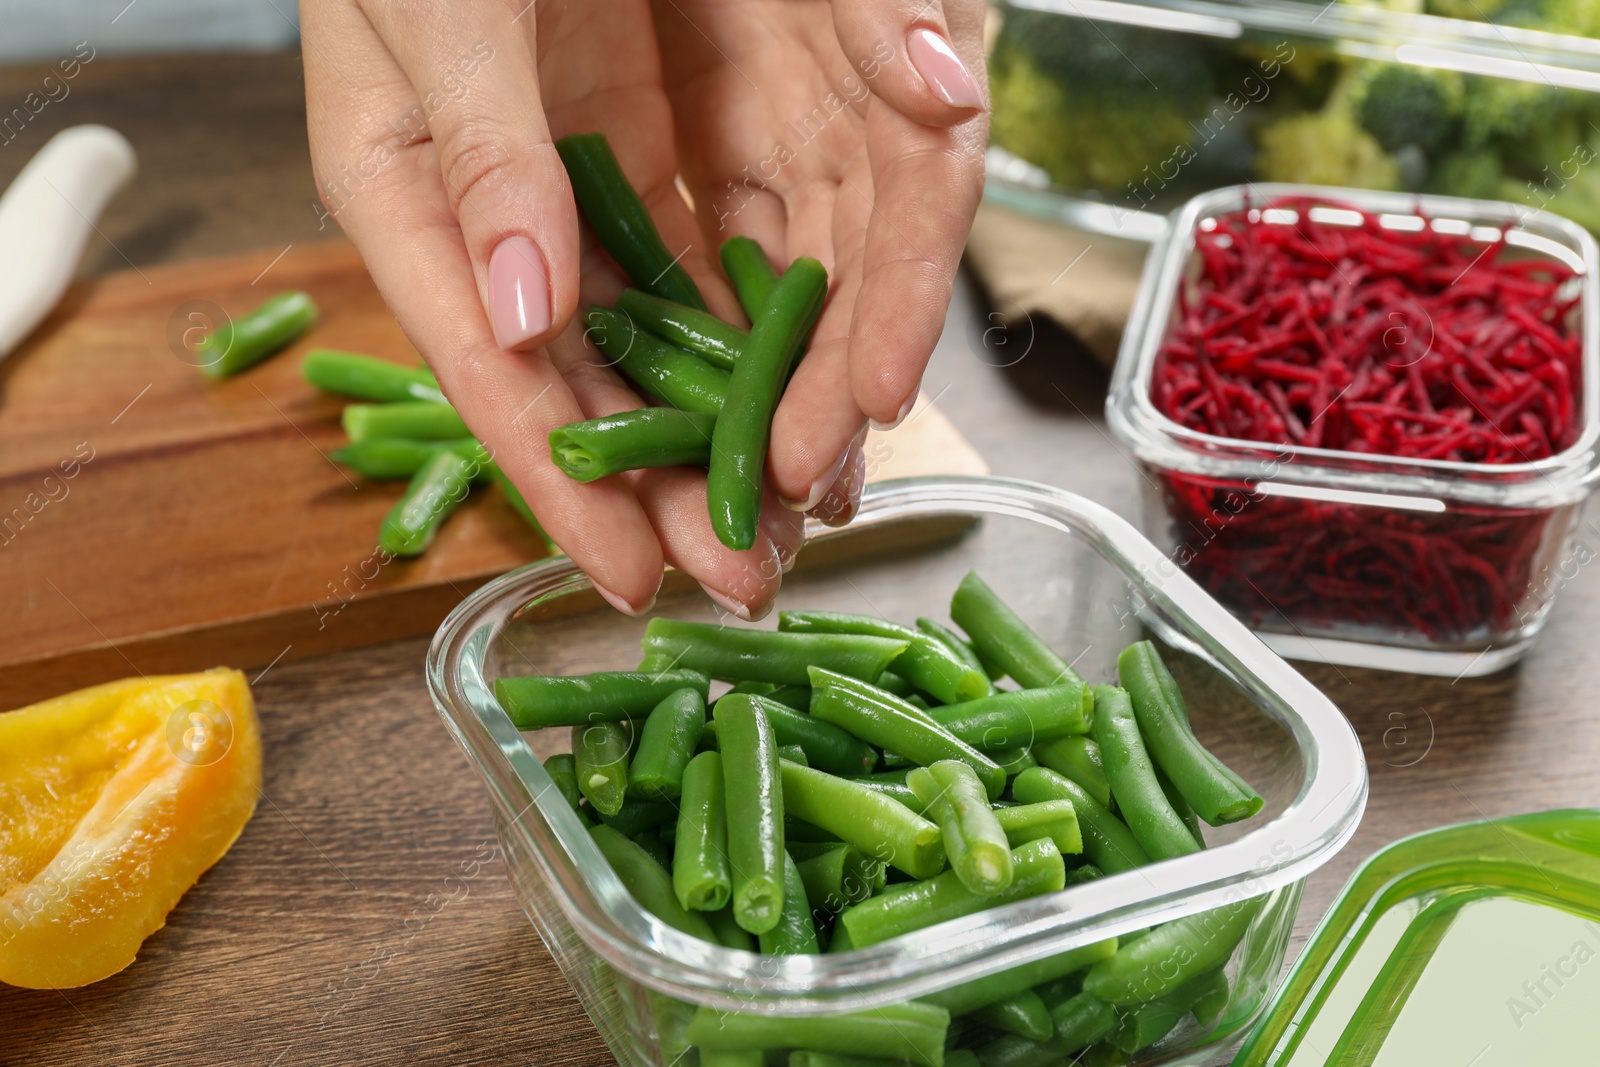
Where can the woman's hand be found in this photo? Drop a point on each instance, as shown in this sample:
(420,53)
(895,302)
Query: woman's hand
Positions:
(432,131)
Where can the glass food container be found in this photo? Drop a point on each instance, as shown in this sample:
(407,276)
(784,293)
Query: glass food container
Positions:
(1241,516)
(1090,584)
(1109,113)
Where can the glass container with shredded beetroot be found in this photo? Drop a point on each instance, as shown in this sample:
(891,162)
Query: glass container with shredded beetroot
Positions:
(1367,421)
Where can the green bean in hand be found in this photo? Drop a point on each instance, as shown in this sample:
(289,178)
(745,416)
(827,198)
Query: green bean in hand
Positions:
(750,271)
(718,343)
(662,370)
(632,440)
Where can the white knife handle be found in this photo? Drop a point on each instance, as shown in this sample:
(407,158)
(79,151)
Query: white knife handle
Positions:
(47,215)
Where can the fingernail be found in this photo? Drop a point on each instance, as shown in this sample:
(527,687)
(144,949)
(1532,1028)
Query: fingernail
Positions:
(519,292)
(820,486)
(727,602)
(905,409)
(620,604)
(943,70)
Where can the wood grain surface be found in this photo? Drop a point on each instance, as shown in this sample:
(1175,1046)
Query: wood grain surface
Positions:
(343,927)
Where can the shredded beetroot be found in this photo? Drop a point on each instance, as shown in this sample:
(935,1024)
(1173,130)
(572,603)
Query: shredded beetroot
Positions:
(1375,341)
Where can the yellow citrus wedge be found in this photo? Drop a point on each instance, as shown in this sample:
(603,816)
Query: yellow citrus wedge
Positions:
(114,800)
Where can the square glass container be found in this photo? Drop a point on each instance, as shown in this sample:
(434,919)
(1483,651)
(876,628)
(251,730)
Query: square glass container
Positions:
(1242,516)
(1090,584)
(1110,113)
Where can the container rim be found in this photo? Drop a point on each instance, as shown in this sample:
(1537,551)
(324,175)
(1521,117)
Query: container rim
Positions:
(1305,835)
(1135,418)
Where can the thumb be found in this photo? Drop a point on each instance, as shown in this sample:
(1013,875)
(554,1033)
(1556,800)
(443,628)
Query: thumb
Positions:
(478,82)
(921,57)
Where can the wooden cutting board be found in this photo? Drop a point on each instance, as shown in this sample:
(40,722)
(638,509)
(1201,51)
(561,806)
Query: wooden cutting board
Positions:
(152,520)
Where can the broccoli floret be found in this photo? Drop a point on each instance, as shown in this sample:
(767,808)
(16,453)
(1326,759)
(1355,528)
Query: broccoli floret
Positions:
(1402,105)
(1325,147)
(1500,107)
(1093,104)
(1468,173)
(1580,18)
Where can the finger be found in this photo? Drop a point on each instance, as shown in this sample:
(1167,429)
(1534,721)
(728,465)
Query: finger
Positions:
(921,57)
(926,184)
(403,224)
(742,582)
(843,498)
(473,69)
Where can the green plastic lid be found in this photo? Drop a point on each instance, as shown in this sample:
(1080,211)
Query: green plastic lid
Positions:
(1472,946)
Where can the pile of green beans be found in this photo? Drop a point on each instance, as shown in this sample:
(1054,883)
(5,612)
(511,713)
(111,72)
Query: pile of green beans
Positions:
(405,429)
(720,384)
(863,780)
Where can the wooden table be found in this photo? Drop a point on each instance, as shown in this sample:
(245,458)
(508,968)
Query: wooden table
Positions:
(330,933)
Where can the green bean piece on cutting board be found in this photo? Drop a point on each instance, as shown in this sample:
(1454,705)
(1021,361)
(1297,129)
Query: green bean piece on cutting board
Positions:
(367,377)
(718,343)
(750,783)
(1157,828)
(666,744)
(1216,793)
(739,442)
(534,701)
(435,491)
(417,420)
(621,221)
(750,271)
(1002,638)
(632,440)
(391,458)
(239,344)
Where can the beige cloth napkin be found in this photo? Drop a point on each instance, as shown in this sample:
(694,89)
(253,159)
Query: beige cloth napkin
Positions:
(1085,282)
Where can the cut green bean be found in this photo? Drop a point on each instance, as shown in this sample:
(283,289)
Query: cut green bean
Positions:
(1213,999)
(621,221)
(1180,807)
(739,442)
(794,697)
(975,994)
(651,841)
(957,644)
(836,876)
(718,343)
(1077,758)
(632,440)
(1217,794)
(367,377)
(564,773)
(1144,807)
(601,752)
(1002,638)
(662,370)
(434,492)
(728,930)
(883,719)
(1037,869)
(1172,954)
(827,747)
(1087,872)
(239,344)
(1012,760)
(538,700)
(927,662)
(754,796)
(1019,718)
(897,790)
(877,825)
(1109,844)
(666,744)
(716,1057)
(895,683)
(700,873)
(1147,1023)
(839,939)
(750,271)
(1104,1054)
(393,458)
(415,420)
(794,754)
(1081,1020)
(912,1032)
(649,884)
(974,843)
(1023,1014)
(796,932)
(739,655)
(1055,819)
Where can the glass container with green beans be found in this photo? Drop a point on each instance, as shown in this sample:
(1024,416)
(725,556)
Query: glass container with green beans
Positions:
(951,924)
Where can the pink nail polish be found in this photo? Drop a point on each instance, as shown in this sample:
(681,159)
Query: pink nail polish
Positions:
(519,292)
(943,70)
(905,409)
(620,604)
(727,602)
